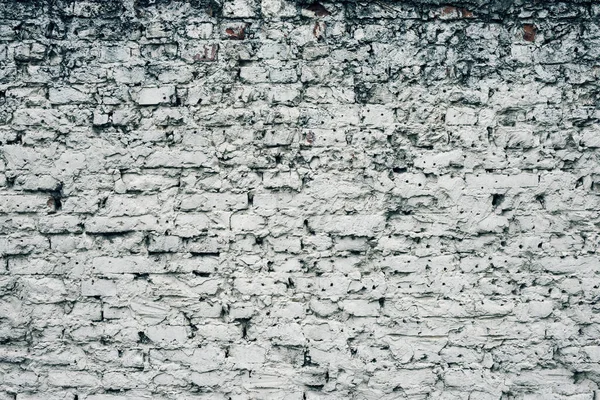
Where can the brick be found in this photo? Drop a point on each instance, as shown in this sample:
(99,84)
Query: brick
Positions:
(126,265)
(298,200)
(461,116)
(167,334)
(188,225)
(121,224)
(214,201)
(154,96)
(361,308)
(591,136)
(246,222)
(24,203)
(240,9)
(124,205)
(519,138)
(360,225)
(98,287)
(73,379)
(177,159)
(148,183)
(23,244)
(68,95)
(43,290)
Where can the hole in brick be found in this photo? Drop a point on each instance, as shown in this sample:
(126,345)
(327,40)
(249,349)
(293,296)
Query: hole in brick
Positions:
(497,199)
(142,338)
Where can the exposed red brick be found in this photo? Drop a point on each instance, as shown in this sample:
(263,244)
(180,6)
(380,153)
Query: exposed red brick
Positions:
(236,33)
(318,9)
(448,10)
(319,29)
(310,137)
(454,12)
(466,13)
(210,53)
(529,32)
(209,11)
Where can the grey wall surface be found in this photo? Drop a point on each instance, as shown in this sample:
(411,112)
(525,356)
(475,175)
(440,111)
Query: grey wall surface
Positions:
(273,199)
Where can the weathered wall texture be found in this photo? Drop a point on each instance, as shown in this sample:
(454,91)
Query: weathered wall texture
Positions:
(285,200)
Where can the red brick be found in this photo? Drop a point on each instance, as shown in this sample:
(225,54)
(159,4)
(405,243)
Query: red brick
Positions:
(529,32)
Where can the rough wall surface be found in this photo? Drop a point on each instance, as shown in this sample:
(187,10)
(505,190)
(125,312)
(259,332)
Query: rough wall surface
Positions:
(285,200)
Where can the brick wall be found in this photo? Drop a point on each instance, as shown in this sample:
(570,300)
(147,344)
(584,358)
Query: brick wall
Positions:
(269,199)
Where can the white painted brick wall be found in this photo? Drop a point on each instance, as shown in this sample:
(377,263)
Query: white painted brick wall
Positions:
(286,199)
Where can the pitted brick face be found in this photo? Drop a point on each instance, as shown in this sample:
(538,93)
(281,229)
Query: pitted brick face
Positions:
(279,199)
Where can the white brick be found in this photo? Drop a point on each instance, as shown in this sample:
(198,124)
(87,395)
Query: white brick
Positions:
(360,225)
(247,222)
(98,287)
(68,95)
(188,225)
(167,334)
(73,379)
(461,116)
(361,308)
(126,265)
(27,203)
(214,201)
(154,96)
